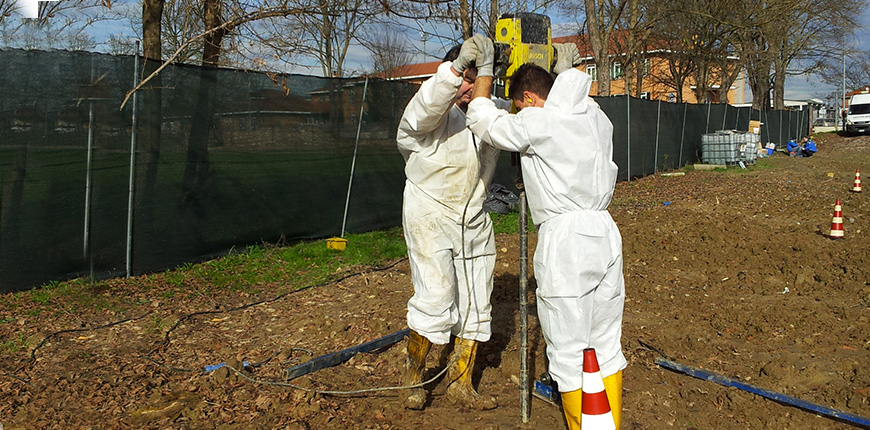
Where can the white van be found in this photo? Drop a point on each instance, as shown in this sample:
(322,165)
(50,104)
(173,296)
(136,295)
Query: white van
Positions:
(858,117)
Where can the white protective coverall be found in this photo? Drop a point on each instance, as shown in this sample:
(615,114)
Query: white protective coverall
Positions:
(448,174)
(566,154)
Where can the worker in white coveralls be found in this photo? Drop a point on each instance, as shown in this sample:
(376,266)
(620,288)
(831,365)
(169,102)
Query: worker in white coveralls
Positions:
(565,142)
(451,246)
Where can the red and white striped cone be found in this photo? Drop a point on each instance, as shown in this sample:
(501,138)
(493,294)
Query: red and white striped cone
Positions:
(857,187)
(596,408)
(837,222)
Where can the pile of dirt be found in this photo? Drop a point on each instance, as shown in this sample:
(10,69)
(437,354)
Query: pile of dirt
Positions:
(729,271)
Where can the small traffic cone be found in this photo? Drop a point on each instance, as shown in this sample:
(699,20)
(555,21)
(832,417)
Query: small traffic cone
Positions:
(596,408)
(837,222)
(857,187)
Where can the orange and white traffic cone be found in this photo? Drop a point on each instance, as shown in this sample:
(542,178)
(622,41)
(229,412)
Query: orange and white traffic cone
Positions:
(596,408)
(857,187)
(837,222)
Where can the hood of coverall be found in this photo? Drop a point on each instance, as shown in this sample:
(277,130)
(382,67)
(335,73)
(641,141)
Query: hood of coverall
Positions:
(575,98)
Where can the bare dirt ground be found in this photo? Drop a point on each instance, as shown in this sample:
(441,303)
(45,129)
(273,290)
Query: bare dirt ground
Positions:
(731,271)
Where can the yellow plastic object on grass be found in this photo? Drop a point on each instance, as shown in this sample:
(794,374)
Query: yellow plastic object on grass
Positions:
(336,243)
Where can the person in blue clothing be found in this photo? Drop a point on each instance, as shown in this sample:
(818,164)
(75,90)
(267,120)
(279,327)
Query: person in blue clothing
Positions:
(793,148)
(808,147)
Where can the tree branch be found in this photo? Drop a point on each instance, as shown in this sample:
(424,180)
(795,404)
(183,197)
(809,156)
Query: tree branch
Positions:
(226,26)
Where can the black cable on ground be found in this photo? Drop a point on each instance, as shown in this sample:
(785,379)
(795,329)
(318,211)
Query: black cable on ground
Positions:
(166,339)
(79,330)
(51,336)
(48,338)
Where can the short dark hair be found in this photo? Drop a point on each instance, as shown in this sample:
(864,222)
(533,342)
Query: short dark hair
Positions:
(452,54)
(532,78)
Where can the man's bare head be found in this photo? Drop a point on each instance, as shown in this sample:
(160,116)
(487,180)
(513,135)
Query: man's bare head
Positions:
(463,95)
(530,85)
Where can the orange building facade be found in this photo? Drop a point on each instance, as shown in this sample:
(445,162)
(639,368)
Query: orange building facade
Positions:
(656,74)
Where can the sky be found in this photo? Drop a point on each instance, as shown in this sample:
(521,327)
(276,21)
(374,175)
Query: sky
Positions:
(358,59)
(801,87)
(805,87)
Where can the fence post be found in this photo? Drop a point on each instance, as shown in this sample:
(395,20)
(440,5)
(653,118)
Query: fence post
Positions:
(737,119)
(129,259)
(780,125)
(353,163)
(707,125)
(683,134)
(658,123)
(86,239)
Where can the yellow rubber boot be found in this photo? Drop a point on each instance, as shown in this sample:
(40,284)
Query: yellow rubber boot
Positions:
(613,386)
(572,407)
(418,349)
(460,389)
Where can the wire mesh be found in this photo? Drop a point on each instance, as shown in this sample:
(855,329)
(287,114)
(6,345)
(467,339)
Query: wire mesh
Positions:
(229,158)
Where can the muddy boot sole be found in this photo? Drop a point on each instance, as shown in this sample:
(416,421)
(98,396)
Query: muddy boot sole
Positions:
(459,394)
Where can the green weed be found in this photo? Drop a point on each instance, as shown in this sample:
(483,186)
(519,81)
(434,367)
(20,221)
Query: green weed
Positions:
(12,346)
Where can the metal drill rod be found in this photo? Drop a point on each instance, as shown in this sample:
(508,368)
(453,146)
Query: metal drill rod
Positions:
(525,398)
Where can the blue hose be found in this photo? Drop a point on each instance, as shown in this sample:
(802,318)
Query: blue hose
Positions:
(779,397)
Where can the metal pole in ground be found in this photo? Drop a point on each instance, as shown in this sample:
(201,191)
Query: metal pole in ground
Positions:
(658,127)
(683,134)
(525,395)
(355,147)
(780,126)
(129,260)
(90,157)
(707,127)
(737,119)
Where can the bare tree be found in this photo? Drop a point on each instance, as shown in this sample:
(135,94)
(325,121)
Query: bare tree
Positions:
(600,18)
(325,33)
(389,50)
(181,21)
(636,28)
(803,37)
(62,24)
(118,44)
(680,68)
(855,73)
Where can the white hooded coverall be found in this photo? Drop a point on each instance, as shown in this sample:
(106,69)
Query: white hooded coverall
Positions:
(448,174)
(566,154)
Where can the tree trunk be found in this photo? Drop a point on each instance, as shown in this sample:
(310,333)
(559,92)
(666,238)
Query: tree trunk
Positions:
(680,68)
(212,18)
(779,83)
(150,123)
(152,13)
(639,76)
(598,39)
(202,124)
(493,17)
(702,79)
(759,84)
(631,51)
(728,78)
(326,29)
(465,19)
